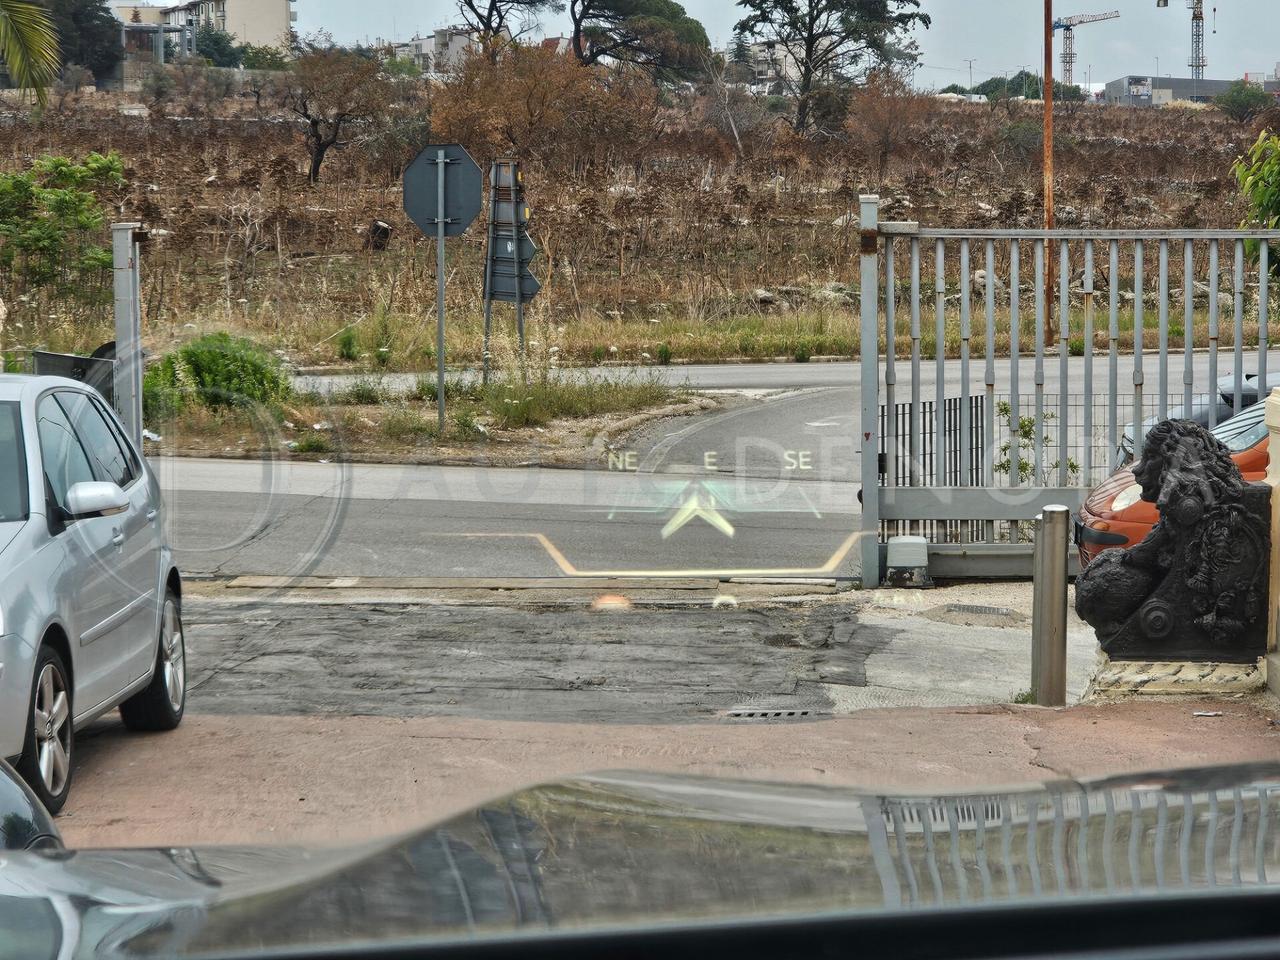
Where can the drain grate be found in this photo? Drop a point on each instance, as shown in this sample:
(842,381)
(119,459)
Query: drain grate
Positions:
(755,713)
(981,610)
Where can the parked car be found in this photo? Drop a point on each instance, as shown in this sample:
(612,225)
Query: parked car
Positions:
(1221,404)
(1115,515)
(90,599)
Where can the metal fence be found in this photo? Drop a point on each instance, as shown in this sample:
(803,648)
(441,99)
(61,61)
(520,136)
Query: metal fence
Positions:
(1042,381)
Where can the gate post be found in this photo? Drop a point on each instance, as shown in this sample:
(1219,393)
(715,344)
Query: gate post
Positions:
(1272,416)
(128,313)
(869,353)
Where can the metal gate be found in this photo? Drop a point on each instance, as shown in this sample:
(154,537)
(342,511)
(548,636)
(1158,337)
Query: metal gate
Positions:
(1058,416)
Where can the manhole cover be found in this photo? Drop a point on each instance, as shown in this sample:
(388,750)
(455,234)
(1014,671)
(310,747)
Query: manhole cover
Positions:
(977,608)
(975,615)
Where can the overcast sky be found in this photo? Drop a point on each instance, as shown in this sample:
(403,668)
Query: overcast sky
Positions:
(1001,35)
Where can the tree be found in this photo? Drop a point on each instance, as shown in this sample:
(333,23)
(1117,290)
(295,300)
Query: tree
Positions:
(653,33)
(1258,175)
(28,45)
(827,40)
(89,34)
(492,20)
(218,46)
(955,88)
(1243,101)
(332,91)
(741,49)
(254,57)
(401,67)
(884,114)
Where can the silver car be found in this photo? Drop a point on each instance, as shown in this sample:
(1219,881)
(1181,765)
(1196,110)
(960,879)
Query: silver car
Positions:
(90,600)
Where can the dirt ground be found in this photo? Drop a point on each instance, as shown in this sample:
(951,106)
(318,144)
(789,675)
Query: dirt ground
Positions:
(321,780)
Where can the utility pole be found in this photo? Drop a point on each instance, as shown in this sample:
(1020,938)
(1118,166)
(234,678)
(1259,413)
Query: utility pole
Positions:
(1025,70)
(1050,331)
(970,61)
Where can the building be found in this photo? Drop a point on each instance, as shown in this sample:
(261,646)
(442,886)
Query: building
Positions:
(560,45)
(1149,91)
(264,23)
(442,52)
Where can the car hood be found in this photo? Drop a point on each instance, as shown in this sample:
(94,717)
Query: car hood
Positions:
(619,850)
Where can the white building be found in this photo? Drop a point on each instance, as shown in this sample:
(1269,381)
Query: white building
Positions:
(442,52)
(264,23)
(769,62)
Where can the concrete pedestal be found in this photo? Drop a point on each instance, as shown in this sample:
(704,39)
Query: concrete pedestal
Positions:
(1122,679)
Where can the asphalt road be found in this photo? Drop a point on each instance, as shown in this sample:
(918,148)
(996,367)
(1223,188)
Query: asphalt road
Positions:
(230,517)
(768,487)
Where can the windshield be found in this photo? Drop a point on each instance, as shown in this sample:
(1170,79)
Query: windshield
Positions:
(744,390)
(13,464)
(1242,432)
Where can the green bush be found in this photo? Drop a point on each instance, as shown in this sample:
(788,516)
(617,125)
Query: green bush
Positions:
(53,227)
(348,344)
(465,426)
(1243,101)
(219,370)
(664,354)
(455,388)
(312,443)
(363,391)
(1258,174)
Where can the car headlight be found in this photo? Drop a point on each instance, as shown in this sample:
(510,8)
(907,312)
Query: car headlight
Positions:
(1127,497)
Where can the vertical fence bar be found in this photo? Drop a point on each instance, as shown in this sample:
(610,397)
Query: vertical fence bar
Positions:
(1238,385)
(1139,425)
(1064,355)
(1162,335)
(965,332)
(1188,326)
(1214,392)
(890,371)
(989,411)
(1263,257)
(1113,354)
(869,226)
(1037,443)
(1086,424)
(913,428)
(1015,347)
(940,366)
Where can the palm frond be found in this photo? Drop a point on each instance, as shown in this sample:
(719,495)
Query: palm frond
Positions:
(29,45)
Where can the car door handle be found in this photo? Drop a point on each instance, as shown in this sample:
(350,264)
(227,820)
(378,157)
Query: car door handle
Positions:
(151,515)
(117,537)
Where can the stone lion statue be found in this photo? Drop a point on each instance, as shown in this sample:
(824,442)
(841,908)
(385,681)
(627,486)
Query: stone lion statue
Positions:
(1196,587)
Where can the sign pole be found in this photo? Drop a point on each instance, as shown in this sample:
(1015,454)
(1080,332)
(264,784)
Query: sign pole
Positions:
(442,164)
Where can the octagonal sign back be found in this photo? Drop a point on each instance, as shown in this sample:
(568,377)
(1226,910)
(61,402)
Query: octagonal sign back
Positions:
(461,189)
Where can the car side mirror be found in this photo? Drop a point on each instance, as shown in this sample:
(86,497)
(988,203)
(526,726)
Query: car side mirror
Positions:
(93,498)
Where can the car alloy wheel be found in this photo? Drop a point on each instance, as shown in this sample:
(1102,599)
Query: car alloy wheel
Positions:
(173,661)
(51,723)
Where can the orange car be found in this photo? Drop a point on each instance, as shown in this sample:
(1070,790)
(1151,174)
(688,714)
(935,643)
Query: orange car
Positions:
(1115,515)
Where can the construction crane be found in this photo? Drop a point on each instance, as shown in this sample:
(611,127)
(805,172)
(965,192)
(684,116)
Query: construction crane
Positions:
(1068,27)
(1197,61)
